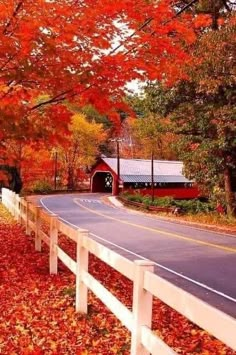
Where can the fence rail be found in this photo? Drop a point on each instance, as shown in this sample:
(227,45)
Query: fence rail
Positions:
(145,283)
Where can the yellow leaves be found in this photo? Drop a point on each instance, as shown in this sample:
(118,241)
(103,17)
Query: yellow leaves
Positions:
(83,144)
(5,216)
(194,332)
(70,311)
(21,329)
(53,345)
(4,88)
(95,342)
(82,129)
(73,323)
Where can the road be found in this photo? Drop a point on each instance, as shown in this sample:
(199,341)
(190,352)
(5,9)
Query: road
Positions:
(199,261)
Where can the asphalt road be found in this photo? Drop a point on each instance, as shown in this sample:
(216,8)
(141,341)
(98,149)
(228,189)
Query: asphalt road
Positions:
(199,261)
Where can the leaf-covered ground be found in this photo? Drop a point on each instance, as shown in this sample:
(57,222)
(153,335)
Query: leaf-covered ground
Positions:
(37,314)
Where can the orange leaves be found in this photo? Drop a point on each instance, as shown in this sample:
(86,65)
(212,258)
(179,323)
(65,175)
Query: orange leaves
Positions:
(202,21)
(63,51)
(37,314)
(57,49)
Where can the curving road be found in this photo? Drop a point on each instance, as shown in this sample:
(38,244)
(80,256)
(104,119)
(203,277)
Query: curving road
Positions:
(199,261)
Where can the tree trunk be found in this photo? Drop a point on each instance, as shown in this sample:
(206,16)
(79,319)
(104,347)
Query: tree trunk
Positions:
(14,178)
(229,198)
(152,175)
(70,181)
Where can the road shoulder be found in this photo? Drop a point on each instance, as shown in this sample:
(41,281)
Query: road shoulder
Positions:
(226,230)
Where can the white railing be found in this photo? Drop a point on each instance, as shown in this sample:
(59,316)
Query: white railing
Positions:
(145,283)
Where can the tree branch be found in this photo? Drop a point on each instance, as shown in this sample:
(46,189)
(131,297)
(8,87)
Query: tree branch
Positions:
(16,11)
(63,96)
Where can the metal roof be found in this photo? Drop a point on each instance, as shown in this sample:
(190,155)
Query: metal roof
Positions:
(157,178)
(139,170)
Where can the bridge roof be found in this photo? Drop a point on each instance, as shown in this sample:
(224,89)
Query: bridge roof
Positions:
(139,170)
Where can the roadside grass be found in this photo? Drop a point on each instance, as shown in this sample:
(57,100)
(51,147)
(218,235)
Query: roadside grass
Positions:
(192,211)
(211,221)
(37,314)
(211,218)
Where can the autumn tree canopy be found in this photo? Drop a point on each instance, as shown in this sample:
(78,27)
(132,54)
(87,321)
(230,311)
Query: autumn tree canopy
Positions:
(80,148)
(54,52)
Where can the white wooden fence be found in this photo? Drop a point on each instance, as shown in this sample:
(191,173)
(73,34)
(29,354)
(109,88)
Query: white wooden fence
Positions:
(145,283)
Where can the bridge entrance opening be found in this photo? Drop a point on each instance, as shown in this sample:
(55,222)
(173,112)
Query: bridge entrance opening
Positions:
(102,182)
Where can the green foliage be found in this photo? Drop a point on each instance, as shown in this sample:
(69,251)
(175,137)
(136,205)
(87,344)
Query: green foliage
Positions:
(186,206)
(93,115)
(41,187)
(164,201)
(149,132)
(158,202)
(134,198)
(138,105)
(202,112)
(147,201)
(194,206)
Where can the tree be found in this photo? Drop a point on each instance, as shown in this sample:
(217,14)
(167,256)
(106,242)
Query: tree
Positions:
(148,131)
(211,127)
(202,109)
(67,52)
(54,52)
(81,147)
(10,177)
(208,12)
(148,121)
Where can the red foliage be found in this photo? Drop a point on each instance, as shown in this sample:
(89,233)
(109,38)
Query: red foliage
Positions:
(37,313)
(52,51)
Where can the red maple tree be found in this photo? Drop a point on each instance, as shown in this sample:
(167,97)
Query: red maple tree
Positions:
(63,51)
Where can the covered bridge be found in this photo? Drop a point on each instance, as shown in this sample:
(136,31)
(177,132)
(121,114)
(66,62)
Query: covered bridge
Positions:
(135,176)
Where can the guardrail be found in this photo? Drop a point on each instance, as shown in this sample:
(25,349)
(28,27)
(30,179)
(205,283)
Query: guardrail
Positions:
(145,283)
(127,202)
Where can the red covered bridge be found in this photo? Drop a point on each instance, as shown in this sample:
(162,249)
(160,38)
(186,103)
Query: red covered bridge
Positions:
(135,176)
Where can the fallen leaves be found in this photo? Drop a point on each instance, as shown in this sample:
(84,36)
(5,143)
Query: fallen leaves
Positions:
(5,216)
(37,313)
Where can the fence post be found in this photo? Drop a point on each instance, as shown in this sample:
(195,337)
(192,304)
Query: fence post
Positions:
(53,260)
(37,241)
(5,194)
(9,198)
(21,220)
(18,208)
(4,202)
(10,201)
(27,228)
(81,294)
(142,306)
(13,201)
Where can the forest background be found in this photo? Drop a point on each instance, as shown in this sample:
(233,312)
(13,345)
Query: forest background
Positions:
(64,69)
